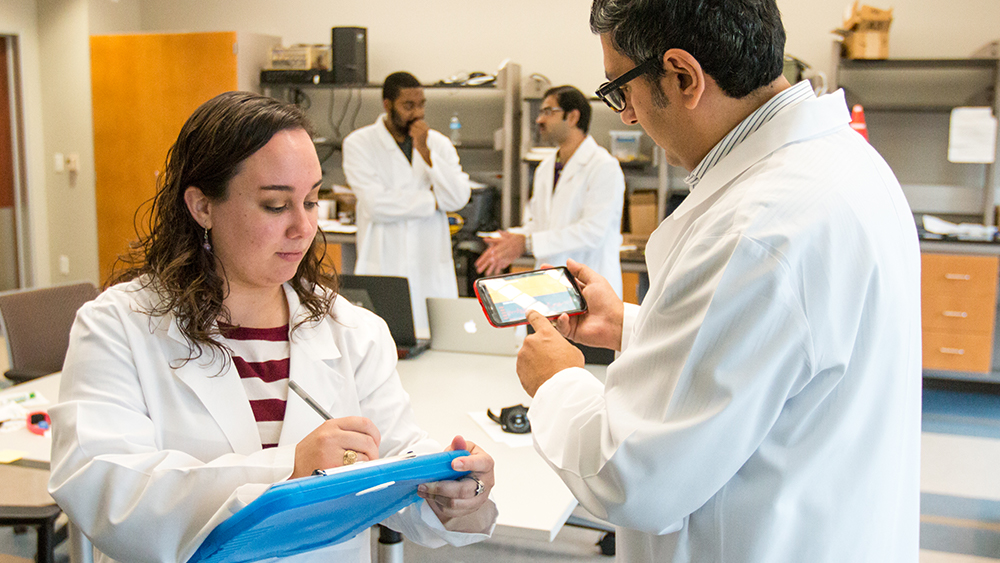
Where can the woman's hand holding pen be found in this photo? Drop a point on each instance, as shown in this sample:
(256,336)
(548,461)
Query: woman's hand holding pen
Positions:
(326,446)
(452,499)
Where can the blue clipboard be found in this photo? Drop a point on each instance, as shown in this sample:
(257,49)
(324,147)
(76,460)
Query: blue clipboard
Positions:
(313,512)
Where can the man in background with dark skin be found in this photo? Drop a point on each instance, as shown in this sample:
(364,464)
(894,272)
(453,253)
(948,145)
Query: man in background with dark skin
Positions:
(406,176)
(765,407)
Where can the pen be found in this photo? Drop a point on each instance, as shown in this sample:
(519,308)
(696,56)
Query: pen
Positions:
(309,400)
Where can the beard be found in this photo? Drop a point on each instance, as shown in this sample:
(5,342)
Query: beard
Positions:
(399,123)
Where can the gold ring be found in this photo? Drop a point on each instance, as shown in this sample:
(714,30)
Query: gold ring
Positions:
(350,456)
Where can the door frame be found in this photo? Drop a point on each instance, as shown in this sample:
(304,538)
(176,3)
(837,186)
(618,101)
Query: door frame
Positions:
(22,233)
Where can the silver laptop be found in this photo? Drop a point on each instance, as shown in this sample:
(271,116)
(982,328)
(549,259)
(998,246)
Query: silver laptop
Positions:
(459,325)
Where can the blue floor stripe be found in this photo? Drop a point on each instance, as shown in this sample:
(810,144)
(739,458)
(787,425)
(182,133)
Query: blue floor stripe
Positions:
(967,414)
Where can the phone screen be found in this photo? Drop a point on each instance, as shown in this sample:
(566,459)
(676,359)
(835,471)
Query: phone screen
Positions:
(506,299)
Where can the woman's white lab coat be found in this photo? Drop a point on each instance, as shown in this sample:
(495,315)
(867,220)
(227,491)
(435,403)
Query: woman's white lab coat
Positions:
(150,454)
(581,218)
(402,226)
(766,405)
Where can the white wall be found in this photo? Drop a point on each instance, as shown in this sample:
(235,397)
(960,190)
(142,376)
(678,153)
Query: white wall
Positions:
(437,38)
(20,18)
(434,39)
(63,35)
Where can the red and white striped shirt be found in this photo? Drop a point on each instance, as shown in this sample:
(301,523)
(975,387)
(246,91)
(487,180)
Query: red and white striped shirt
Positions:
(261,358)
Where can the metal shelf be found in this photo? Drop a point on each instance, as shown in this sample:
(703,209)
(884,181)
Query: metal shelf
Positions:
(907,94)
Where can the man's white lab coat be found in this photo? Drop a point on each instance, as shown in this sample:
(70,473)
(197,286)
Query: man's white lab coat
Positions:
(766,405)
(581,219)
(149,455)
(402,226)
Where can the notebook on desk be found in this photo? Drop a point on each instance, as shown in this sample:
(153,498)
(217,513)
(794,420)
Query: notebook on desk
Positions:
(459,325)
(389,298)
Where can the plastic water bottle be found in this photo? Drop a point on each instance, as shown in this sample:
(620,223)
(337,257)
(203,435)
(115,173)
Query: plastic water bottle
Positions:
(455,130)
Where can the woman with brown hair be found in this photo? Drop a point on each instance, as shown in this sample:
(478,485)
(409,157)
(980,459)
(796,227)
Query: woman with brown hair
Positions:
(174,408)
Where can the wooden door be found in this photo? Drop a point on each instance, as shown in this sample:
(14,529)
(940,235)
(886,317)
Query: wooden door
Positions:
(8,213)
(144,87)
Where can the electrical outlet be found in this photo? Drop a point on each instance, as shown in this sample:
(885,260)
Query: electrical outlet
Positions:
(73,162)
(64,264)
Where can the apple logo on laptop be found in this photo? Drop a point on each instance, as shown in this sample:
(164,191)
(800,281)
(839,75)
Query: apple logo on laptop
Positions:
(470,326)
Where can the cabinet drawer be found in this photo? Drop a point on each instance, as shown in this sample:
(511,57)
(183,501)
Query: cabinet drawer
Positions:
(958,312)
(957,352)
(966,275)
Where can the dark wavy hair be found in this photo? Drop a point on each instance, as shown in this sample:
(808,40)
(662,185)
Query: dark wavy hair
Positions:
(169,256)
(739,43)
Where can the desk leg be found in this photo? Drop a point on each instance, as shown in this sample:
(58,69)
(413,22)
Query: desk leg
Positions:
(46,532)
(390,546)
(80,548)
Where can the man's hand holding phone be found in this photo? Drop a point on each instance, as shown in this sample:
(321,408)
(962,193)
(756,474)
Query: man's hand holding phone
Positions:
(601,326)
(546,352)
(550,291)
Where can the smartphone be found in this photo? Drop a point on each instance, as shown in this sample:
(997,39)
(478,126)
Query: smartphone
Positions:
(506,299)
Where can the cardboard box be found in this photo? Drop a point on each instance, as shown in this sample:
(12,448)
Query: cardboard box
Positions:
(865,32)
(301,57)
(642,213)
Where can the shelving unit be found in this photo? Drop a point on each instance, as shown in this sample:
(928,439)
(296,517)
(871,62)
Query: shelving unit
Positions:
(489,115)
(649,172)
(907,105)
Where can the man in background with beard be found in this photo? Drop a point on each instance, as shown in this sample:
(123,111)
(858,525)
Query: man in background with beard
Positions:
(575,210)
(406,176)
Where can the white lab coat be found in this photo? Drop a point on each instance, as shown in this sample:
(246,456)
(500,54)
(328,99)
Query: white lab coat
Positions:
(148,455)
(402,226)
(581,219)
(766,405)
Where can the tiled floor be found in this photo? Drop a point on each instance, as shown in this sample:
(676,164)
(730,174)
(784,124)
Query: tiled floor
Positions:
(960,500)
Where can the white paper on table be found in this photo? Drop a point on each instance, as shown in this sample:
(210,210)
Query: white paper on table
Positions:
(972,135)
(497,434)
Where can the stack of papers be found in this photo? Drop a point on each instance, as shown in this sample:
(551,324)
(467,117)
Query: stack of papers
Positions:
(961,231)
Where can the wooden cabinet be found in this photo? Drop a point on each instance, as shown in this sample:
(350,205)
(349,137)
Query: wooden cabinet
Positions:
(144,86)
(958,307)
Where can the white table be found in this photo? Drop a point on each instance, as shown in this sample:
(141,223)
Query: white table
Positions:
(444,387)
(30,474)
(36,449)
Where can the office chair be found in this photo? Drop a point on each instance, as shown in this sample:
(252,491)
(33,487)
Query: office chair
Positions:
(36,323)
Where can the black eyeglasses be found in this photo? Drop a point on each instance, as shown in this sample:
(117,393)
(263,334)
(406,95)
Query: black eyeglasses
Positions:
(611,92)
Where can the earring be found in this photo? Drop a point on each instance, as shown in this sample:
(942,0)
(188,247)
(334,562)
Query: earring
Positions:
(206,244)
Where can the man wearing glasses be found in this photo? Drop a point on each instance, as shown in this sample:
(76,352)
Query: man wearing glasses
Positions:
(765,406)
(575,210)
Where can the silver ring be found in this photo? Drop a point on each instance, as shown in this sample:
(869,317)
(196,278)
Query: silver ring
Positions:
(480,487)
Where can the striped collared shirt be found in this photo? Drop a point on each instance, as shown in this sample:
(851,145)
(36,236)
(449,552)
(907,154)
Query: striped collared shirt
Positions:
(785,99)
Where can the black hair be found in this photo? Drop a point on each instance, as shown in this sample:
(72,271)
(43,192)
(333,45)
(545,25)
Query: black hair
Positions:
(739,43)
(396,82)
(569,99)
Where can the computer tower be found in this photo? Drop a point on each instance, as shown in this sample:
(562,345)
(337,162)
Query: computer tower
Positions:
(350,55)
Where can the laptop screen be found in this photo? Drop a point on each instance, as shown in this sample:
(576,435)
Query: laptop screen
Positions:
(387,297)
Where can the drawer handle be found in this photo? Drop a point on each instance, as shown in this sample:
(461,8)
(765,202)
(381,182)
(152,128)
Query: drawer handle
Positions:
(953,351)
(957,314)
(959,277)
